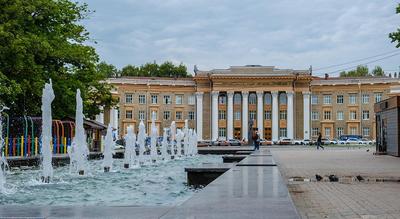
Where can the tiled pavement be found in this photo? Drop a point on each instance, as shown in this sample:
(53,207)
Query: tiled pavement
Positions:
(347,198)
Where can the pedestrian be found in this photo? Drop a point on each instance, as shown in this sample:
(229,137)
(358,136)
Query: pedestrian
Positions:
(256,140)
(319,141)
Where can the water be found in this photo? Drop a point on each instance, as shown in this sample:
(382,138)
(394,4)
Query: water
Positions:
(46,151)
(130,159)
(109,145)
(161,184)
(3,161)
(153,137)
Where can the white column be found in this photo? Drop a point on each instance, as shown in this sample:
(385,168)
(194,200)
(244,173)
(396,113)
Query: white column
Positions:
(199,115)
(275,116)
(230,115)
(245,114)
(111,116)
(100,116)
(290,115)
(260,112)
(306,113)
(214,115)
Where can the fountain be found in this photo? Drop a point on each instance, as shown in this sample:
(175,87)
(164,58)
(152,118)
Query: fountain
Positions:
(109,145)
(47,98)
(3,161)
(179,137)
(78,151)
(164,146)
(195,149)
(190,143)
(173,137)
(185,138)
(153,138)
(141,142)
(130,149)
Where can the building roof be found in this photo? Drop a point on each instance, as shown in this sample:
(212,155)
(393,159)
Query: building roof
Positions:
(353,80)
(252,70)
(152,81)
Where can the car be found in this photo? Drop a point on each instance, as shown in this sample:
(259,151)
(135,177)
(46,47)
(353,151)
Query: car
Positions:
(298,142)
(285,141)
(352,141)
(325,141)
(234,142)
(341,142)
(333,141)
(365,141)
(222,143)
(307,142)
(265,142)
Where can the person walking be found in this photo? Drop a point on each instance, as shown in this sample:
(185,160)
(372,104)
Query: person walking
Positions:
(319,142)
(256,140)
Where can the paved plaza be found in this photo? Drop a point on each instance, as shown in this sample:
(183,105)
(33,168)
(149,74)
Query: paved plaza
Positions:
(348,198)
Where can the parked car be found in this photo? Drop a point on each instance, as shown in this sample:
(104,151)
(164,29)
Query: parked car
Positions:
(285,141)
(298,142)
(333,141)
(222,143)
(234,142)
(365,141)
(265,142)
(307,142)
(352,141)
(325,141)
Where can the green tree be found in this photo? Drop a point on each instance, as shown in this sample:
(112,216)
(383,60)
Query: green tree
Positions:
(360,71)
(44,39)
(130,70)
(378,71)
(166,69)
(107,70)
(395,36)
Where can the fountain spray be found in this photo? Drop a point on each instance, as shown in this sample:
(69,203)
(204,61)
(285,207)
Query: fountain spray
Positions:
(186,138)
(179,136)
(153,138)
(130,148)
(141,141)
(164,145)
(109,145)
(3,161)
(173,137)
(46,152)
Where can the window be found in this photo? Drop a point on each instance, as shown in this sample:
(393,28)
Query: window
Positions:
(365,115)
(327,99)
(353,131)
(314,99)
(339,115)
(178,115)
(154,99)
(353,115)
(155,115)
(267,99)
(142,115)
(282,132)
(339,99)
(167,99)
(282,98)
(178,99)
(283,114)
(315,115)
(252,115)
(353,99)
(142,99)
(365,98)
(365,131)
(237,99)
(128,98)
(222,99)
(128,114)
(378,97)
(167,115)
(221,114)
(191,115)
(327,132)
(222,132)
(314,131)
(191,100)
(339,131)
(252,98)
(327,115)
(237,115)
(267,114)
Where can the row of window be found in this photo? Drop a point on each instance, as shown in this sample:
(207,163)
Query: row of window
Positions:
(237,98)
(327,98)
(167,99)
(166,115)
(340,115)
(252,115)
(340,131)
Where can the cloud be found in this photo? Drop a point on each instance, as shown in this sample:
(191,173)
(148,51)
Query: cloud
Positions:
(217,34)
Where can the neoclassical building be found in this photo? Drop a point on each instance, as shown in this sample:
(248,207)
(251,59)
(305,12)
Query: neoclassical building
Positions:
(229,103)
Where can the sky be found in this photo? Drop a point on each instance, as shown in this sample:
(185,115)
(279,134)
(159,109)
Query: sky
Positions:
(215,34)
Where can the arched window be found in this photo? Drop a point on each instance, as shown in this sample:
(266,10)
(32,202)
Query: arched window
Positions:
(222,99)
(237,99)
(282,99)
(252,98)
(267,99)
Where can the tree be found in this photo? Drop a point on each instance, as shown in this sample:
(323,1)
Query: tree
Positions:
(42,40)
(130,70)
(378,71)
(107,70)
(166,69)
(361,71)
(395,36)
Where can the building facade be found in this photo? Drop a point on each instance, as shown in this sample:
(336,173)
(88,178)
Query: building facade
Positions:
(230,103)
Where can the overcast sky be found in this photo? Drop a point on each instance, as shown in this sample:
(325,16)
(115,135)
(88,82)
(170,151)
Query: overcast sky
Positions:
(222,33)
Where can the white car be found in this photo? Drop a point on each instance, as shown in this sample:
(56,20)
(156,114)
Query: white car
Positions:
(298,142)
(352,141)
(333,141)
(306,142)
(365,141)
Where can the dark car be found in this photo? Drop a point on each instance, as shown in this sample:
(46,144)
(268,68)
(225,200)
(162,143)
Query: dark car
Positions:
(234,142)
